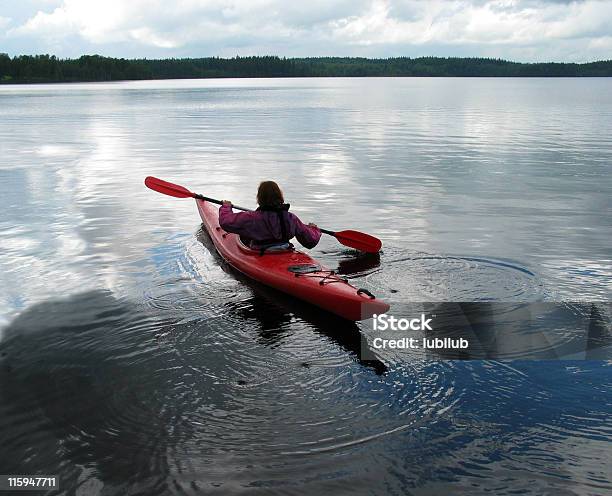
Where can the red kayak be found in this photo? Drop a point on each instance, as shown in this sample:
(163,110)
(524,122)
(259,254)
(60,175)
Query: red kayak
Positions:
(292,272)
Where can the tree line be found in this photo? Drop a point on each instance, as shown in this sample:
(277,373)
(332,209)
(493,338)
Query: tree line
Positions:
(50,69)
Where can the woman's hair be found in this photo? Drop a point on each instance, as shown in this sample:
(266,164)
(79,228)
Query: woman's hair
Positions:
(269,194)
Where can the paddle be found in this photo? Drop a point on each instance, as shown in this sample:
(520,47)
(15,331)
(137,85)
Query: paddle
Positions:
(355,239)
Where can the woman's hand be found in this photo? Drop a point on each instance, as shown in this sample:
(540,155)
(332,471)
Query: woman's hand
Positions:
(226,203)
(312,224)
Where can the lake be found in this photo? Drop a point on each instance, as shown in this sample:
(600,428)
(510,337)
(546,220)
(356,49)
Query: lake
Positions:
(132,358)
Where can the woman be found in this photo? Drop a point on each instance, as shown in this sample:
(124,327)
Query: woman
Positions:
(271,225)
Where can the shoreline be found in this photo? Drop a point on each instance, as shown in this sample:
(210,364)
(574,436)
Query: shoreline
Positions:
(36,69)
(82,81)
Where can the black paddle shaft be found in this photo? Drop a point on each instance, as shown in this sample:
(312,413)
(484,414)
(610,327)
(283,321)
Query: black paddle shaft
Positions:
(219,202)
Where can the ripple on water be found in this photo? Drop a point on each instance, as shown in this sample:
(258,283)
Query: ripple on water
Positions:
(210,379)
(427,277)
(257,361)
(190,283)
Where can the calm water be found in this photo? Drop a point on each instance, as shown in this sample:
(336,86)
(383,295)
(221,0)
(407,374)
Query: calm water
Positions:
(132,360)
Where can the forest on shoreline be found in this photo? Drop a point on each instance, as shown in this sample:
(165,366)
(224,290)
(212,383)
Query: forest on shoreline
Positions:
(50,69)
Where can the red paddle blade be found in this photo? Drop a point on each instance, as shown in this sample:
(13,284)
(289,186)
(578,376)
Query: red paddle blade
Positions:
(167,188)
(360,241)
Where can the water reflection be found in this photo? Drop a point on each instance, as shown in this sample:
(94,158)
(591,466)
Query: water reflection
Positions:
(156,359)
(113,394)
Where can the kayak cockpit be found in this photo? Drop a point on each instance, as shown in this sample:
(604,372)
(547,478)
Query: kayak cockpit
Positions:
(273,249)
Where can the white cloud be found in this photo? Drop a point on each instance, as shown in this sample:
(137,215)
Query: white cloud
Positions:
(95,21)
(147,36)
(504,28)
(604,42)
(457,22)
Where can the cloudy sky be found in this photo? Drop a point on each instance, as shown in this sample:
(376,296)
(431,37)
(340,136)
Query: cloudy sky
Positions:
(524,30)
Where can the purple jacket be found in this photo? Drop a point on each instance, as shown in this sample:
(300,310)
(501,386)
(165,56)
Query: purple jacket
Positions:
(264,227)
